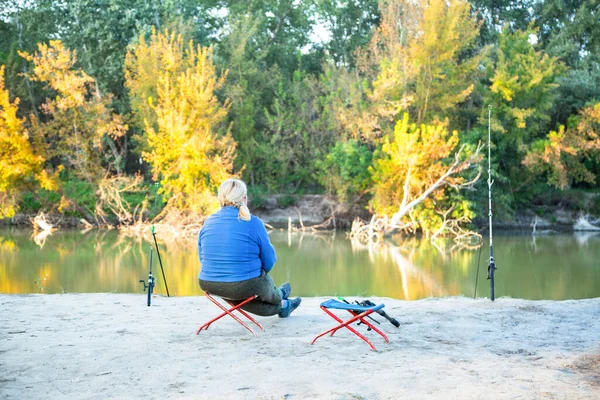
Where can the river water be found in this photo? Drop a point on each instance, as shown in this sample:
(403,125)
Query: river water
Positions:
(554,267)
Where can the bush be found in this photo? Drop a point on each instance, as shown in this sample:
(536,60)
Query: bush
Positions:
(257,197)
(81,192)
(595,208)
(346,169)
(31,204)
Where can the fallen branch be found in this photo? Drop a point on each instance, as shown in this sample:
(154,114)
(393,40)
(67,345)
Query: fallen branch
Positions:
(40,222)
(583,223)
(325,225)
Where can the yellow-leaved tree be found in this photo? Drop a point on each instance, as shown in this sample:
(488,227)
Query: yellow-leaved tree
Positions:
(21,169)
(81,135)
(172,86)
(80,129)
(423,56)
(418,177)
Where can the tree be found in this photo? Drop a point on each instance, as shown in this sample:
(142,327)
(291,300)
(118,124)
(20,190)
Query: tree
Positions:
(24,24)
(344,112)
(577,87)
(283,30)
(81,131)
(21,168)
(497,14)
(423,58)
(261,49)
(250,86)
(346,169)
(349,25)
(569,29)
(101,30)
(418,175)
(163,53)
(294,137)
(523,87)
(182,119)
(347,108)
(563,155)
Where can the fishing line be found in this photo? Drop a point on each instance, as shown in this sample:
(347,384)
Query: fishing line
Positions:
(160,260)
(477,275)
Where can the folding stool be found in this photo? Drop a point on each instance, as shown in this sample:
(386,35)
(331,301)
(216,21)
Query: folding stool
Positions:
(230,313)
(359,313)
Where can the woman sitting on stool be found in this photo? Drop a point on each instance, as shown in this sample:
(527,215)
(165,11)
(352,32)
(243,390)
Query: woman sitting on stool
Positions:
(236,256)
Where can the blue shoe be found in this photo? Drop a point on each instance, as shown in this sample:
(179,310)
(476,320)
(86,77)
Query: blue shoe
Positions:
(291,306)
(286,289)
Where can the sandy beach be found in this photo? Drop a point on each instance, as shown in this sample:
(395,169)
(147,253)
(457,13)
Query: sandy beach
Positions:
(99,346)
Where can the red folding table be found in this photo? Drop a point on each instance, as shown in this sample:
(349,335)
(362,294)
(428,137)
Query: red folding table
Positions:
(359,313)
(230,313)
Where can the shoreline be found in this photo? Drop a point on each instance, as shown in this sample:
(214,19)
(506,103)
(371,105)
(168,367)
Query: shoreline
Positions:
(113,346)
(560,221)
(520,224)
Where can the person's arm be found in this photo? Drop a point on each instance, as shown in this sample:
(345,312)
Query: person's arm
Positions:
(267,251)
(199,246)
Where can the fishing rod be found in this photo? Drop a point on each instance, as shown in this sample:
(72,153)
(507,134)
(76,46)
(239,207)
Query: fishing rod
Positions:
(160,260)
(150,285)
(492,263)
(371,318)
(369,303)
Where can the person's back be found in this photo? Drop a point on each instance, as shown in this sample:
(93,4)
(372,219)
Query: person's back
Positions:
(236,256)
(245,244)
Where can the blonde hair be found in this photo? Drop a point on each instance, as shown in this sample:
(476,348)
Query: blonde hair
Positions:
(231,193)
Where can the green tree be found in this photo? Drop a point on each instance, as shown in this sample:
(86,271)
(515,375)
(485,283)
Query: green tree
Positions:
(346,169)
(566,155)
(282,32)
(250,86)
(577,87)
(569,29)
(523,87)
(497,14)
(294,137)
(349,25)
(24,24)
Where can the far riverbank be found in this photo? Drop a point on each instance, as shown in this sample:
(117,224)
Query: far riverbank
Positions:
(279,211)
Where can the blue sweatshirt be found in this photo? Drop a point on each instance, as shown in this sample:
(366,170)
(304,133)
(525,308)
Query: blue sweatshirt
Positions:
(233,250)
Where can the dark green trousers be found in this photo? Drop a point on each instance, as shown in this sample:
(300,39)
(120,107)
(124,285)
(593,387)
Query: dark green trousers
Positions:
(269,297)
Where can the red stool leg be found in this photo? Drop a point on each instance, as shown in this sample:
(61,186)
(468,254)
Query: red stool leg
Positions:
(207,325)
(228,312)
(344,324)
(375,329)
(245,314)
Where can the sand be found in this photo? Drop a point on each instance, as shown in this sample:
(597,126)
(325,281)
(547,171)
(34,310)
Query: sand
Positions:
(100,346)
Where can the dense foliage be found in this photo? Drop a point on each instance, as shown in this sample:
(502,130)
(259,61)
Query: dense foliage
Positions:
(100,99)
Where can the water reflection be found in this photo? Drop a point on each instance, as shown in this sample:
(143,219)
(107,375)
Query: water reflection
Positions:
(543,267)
